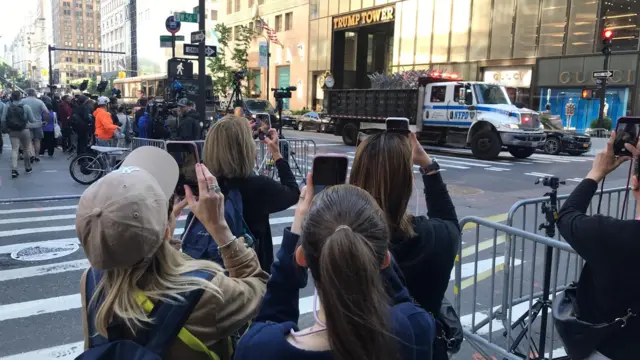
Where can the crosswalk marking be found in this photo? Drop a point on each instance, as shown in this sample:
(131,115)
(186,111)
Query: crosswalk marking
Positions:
(62,352)
(38,209)
(49,269)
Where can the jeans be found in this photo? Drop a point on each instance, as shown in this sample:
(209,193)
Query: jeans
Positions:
(20,138)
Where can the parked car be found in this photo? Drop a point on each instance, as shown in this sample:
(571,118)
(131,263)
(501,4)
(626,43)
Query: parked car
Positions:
(565,141)
(288,119)
(316,121)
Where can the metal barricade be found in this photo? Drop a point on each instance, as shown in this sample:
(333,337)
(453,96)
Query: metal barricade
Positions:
(483,312)
(298,153)
(138,142)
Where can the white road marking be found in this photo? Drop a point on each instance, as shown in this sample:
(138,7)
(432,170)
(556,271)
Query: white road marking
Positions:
(27,272)
(576,179)
(62,352)
(468,269)
(496,169)
(537,174)
(37,218)
(38,209)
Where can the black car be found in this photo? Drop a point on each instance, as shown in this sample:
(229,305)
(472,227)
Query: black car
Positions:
(316,121)
(565,141)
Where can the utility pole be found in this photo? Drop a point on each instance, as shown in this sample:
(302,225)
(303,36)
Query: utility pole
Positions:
(202,76)
(607,36)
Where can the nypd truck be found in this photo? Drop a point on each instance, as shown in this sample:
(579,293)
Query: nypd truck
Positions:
(443,111)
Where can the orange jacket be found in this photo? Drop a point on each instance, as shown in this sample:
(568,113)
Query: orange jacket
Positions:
(104,125)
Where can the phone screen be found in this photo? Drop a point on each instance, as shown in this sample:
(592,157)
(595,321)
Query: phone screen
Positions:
(329,170)
(186,155)
(263,124)
(627,131)
(400,126)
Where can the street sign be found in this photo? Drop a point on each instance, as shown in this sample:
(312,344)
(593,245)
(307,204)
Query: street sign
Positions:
(179,69)
(186,17)
(603,74)
(169,37)
(166,44)
(197,36)
(172,25)
(599,81)
(192,50)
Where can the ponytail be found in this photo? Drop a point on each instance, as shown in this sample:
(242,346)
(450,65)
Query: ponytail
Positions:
(354,300)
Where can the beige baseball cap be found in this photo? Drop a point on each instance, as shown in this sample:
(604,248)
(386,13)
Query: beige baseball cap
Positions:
(122,218)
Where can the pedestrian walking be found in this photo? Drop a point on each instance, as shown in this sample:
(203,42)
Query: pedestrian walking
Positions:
(40,114)
(18,119)
(49,142)
(63,117)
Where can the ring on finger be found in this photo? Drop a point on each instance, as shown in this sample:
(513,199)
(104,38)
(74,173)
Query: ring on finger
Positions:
(215,188)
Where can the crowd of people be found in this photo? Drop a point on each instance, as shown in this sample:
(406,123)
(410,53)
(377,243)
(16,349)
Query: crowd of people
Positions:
(219,290)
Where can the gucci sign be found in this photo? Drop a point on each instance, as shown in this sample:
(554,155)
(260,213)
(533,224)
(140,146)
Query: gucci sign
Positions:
(578,77)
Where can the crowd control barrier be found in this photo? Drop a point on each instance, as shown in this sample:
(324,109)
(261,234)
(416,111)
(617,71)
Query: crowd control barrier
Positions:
(513,330)
(298,153)
(137,142)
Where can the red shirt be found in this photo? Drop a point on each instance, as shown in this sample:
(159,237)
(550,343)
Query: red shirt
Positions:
(64,114)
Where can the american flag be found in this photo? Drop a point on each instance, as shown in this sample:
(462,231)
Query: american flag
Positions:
(271,33)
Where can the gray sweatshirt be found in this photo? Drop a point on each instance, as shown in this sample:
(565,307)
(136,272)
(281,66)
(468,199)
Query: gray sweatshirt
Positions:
(32,123)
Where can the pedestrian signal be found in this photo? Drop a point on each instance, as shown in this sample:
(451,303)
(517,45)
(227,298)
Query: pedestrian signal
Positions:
(588,94)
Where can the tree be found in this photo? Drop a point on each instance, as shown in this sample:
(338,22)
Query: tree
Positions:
(222,71)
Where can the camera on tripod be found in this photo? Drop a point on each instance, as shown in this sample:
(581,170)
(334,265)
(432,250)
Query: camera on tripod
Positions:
(238,76)
(551,181)
(283,93)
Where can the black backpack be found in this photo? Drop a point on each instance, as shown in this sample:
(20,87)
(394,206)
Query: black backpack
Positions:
(152,342)
(16,117)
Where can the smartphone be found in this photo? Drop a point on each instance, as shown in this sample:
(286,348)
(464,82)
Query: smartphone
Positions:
(329,170)
(398,125)
(263,124)
(627,131)
(187,156)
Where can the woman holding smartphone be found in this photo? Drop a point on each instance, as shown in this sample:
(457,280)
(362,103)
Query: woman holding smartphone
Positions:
(230,153)
(344,242)
(424,247)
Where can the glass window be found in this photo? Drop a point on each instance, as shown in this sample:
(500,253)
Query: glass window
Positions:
(501,29)
(526,29)
(229,8)
(408,35)
(423,32)
(622,17)
(552,27)
(616,104)
(480,29)
(314,9)
(460,30)
(491,94)
(278,23)
(438,93)
(582,23)
(456,93)
(237,5)
(441,26)
(288,21)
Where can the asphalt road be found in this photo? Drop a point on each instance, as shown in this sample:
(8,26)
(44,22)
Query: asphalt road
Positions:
(41,263)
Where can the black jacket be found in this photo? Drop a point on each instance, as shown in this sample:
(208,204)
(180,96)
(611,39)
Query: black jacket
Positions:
(189,128)
(80,119)
(262,196)
(610,280)
(427,259)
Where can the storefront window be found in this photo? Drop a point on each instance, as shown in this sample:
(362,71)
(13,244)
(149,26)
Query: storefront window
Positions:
(480,29)
(441,26)
(408,35)
(622,17)
(552,24)
(460,30)
(616,103)
(501,29)
(582,23)
(423,31)
(526,29)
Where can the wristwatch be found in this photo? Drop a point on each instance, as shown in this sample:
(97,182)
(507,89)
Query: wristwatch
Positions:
(434,166)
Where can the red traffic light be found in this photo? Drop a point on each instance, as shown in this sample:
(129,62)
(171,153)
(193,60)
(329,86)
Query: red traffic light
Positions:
(587,94)
(607,34)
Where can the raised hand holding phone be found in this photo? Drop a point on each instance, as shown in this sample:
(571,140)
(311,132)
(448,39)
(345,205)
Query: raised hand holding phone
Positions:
(273,143)
(420,156)
(304,204)
(606,161)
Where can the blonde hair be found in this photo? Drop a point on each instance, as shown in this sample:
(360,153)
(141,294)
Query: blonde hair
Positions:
(229,149)
(160,279)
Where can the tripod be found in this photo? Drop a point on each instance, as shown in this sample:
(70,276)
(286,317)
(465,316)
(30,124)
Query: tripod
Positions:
(543,305)
(236,97)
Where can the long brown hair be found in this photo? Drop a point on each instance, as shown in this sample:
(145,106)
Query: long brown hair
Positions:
(345,240)
(229,149)
(383,166)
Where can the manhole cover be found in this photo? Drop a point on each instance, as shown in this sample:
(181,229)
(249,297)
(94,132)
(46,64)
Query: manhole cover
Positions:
(461,191)
(44,252)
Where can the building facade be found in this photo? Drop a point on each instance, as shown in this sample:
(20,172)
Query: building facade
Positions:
(76,25)
(115,36)
(544,51)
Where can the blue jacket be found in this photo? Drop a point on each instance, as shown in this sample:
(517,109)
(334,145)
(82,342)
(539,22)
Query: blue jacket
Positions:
(267,337)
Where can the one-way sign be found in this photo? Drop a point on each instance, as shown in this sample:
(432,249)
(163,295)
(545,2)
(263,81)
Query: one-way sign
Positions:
(603,74)
(197,36)
(192,50)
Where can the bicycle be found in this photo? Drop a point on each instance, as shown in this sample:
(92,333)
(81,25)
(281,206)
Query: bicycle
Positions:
(101,161)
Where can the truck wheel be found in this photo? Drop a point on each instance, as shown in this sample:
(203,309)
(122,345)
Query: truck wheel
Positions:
(486,145)
(521,153)
(350,134)
(552,146)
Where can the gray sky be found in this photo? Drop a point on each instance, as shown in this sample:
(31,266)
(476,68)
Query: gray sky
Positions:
(13,18)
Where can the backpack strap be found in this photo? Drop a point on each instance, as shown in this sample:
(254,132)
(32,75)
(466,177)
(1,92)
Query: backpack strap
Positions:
(170,318)
(91,282)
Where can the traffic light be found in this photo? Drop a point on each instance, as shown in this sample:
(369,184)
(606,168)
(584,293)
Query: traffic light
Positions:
(607,36)
(588,94)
